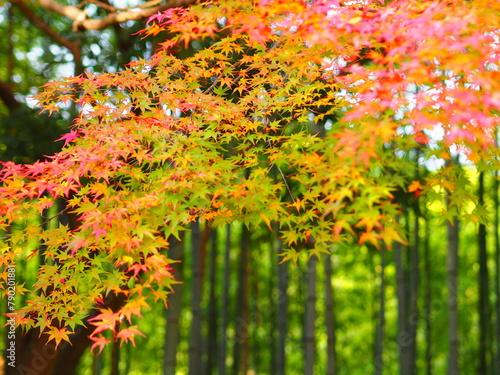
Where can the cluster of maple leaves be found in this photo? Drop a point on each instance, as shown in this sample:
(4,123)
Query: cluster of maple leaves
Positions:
(298,112)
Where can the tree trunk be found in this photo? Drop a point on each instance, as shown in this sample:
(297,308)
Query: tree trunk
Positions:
(225,305)
(195,338)
(96,364)
(173,311)
(115,358)
(331,354)
(427,302)
(497,274)
(401,293)
(452,276)
(212,308)
(310,317)
(282,308)
(379,344)
(413,313)
(407,279)
(240,353)
(484,321)
(255,360)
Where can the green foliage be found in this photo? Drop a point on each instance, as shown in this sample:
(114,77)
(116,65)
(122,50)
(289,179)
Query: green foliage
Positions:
(27,136)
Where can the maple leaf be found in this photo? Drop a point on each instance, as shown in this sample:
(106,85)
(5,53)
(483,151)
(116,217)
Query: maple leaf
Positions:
(137,268)
(416,188)
(133,307)
(128,334)
(98,231)
(99,342)
(369,236)
(45,203)
(106,320)
(390,235)
(422,138)
(77,243)
(58,334)
(42,185)
(68,137)
(267,221)
(341,225)
(460,133)
(292,255)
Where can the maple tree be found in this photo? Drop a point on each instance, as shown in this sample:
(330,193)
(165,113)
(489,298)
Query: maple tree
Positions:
(296,112)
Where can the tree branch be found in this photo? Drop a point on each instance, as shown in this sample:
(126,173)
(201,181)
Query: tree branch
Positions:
(111,8)
(10,43)
(82,22)
(8,97)
(71,46)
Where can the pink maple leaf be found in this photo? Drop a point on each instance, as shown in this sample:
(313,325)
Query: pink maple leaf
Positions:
(98,231)
(68,137)
(77,243)
(128,334)
(99,342)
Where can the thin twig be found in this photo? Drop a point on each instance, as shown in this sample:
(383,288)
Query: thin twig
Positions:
(56,215)
(284,180)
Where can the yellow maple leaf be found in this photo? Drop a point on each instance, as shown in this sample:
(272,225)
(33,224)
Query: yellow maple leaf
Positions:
(58,335)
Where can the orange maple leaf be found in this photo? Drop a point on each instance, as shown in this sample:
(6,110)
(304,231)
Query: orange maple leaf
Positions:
(128,334)
(106,320)
(58,335)
(415,187)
